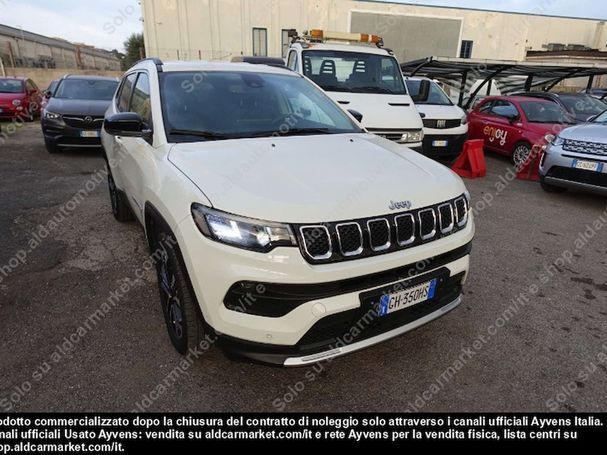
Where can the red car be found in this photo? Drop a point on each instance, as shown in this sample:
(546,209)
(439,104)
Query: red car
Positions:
(512,125)
(19,98)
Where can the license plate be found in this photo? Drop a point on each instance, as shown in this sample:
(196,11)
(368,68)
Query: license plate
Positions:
(89,133)
(588,165)
(390,303)
(440,143)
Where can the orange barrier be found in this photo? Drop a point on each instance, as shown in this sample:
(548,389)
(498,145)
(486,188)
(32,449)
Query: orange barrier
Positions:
(530,170)
(471,163)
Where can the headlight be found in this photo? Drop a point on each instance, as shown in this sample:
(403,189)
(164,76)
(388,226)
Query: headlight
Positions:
(557,140)
(465,120)
(52,115)
(413,136)
(16,102)
(247,233)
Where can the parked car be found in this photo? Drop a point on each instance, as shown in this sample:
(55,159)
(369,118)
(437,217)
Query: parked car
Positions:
(600,93)
(580,105)
(248,183)
(512,125)
(577,158)
(47,94)
(19,98)
(73,117)
(362,77)
(445,124)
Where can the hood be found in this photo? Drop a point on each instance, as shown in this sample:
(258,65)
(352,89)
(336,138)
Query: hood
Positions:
(78,107)
(544,128)
(587,132)
(434,112)
(381,111)
(313,179)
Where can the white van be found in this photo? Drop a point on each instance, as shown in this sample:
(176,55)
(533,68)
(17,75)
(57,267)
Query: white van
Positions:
(363,78)
(445,123)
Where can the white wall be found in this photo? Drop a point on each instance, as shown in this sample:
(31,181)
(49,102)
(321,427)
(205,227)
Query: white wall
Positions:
(219,29)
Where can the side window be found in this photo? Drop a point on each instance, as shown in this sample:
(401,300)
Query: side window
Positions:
(504,109)
(125,92)
(30,86)
(292,62)
(140,102)
(485,108)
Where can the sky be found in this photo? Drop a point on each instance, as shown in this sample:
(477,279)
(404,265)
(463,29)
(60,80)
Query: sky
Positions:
(107,23)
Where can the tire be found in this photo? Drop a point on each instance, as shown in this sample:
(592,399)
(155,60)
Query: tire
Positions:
(548,188)
(521,153)
(51,148)
(180,308)
(120,206)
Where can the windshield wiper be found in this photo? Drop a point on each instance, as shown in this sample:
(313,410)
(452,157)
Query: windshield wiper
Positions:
(291,132)
(204,134)
(303,131)
(373,89)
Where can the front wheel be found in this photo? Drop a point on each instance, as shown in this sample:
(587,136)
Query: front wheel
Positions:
(179,305)
(521,154)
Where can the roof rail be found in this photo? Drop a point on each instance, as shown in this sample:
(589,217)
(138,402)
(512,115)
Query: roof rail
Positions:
(154,60)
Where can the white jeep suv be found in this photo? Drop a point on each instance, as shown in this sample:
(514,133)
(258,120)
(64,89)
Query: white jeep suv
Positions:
(282,229)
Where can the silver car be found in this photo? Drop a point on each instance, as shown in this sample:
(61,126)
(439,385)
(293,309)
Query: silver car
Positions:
(577,158)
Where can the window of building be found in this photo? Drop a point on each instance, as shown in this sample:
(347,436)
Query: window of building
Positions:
(260,42)
(466,50)
(286,41)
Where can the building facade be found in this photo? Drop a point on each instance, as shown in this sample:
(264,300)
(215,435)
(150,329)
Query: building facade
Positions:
(22,49)
(221,29)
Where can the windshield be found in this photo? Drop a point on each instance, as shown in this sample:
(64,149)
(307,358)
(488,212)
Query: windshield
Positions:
(86,89)
(52,86)
(545,112)
(357,72)
(583,104)
(602,118)
(218,105)
(11,86)
(434,96)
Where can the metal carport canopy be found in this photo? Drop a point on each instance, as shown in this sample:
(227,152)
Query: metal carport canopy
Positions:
(462,69)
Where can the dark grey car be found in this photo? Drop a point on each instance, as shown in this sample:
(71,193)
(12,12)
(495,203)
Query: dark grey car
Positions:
(74,115)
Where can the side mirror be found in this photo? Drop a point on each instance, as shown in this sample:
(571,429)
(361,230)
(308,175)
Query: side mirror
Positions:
(512,118)
(127,124)
(47,94)
(357,115)
(424,91)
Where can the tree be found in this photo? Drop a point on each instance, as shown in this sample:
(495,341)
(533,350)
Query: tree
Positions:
(134,50)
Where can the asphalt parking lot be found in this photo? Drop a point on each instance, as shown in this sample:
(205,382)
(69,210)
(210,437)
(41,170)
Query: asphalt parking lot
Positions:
(548,355)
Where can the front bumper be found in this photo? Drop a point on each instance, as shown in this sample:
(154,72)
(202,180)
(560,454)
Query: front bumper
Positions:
(59,134)
(557,169)
(454,138)
(214,268)
(11,113)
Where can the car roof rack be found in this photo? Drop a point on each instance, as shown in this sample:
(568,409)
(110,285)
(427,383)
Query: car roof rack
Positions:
(154,60)
(323,36)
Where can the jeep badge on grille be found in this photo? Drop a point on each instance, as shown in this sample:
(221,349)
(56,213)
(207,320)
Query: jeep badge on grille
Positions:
(400,205)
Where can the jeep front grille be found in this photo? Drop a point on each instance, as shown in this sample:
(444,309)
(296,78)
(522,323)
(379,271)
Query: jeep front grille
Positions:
(347,240)
(592,148)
